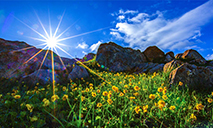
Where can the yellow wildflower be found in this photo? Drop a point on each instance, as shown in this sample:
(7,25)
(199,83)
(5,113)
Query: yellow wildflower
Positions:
(160,89)
(87,89)
(90,84)
(161,102)
(145,108)
(125,86)
(164,97)
(54,98)
(199,106)
(193,117)
(98,91)
(164,92)
(136,94)
(46,103)
(29,107)
(124,91)
(91,88)
(180,83)
(64,88)
(121,94)
(132,97)
(93,94)
(17,96)
(114,88)
(152,96)
(137,109)
(160,106)
(99,105)
(212,93)
(109,101)
(109,95)
(82,98)
(136,88)
(44,99)
(65,97)
(105,93)
(172,107)
(209,100)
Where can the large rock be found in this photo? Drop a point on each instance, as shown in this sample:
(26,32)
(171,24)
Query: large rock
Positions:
(193,57)
(118,58)
(78,72)
(154,54)
(42,76)
(148,68)
(171,65)
(169,56)
(195,77)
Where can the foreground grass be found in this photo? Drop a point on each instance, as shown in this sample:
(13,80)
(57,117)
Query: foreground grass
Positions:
(123,100)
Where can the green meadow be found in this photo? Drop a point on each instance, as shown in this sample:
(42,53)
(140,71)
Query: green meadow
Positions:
(105,100)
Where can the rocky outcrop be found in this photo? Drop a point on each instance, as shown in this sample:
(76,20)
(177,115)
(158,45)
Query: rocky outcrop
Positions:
(21,61)
(154,54)
(171,65)
(195,77)
(193,57)
(118,58)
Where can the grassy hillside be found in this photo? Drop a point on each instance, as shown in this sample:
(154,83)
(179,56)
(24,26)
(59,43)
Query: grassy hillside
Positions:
(107,100)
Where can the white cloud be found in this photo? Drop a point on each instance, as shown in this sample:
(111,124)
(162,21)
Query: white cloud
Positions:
(94,47)
(84,52)
(131,12)
(209,57)
(140,17)
(121,17)
(122,12)
(83,45)
(144,30)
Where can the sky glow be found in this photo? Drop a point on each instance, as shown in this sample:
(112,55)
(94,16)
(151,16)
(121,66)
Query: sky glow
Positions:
(171,25)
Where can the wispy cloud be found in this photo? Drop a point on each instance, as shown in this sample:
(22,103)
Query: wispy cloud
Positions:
(94,47)
(209,57)
(122,12)
(143,30)
(83,45)
(84,52)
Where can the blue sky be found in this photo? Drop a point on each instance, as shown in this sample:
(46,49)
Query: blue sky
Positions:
(171,25)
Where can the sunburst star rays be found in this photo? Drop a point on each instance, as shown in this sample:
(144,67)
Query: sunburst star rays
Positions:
(51,41)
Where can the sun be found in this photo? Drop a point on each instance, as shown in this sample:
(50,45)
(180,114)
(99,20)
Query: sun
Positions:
(52,42)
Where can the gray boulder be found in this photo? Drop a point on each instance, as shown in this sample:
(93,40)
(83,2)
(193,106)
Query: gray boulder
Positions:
(78,72)
(118,58)
(195,77)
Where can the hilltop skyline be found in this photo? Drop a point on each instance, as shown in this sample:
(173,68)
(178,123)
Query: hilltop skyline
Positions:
(171,25)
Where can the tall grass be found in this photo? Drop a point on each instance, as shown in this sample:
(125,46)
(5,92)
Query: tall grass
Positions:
(122,100)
